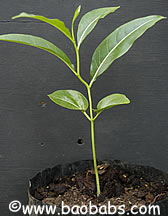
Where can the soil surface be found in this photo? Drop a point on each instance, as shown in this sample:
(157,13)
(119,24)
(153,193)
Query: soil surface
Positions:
(118,186)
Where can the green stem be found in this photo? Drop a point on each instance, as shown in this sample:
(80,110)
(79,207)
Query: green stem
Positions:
(76,50)
(73,70)
(90,118)
(96,116)
(86,115)
(77,56)
(93,143)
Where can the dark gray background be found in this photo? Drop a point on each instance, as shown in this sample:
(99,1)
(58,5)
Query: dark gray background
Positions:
(33,137)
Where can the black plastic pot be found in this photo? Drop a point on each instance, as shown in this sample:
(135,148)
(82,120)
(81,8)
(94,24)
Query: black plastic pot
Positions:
(48,175)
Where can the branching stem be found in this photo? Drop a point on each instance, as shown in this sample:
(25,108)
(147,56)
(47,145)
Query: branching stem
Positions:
(96,116)
(87,116)
(91,118)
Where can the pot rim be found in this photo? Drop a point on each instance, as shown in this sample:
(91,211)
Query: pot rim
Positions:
(112,162)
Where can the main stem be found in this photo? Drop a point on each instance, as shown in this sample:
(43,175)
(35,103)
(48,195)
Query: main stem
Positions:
(91,118)
(93,142)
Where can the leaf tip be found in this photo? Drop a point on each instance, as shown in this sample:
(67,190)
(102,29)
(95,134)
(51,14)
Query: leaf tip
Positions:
(49,95)
(127,100)
(79,8)
(18,16)
(162,17)
(14,17)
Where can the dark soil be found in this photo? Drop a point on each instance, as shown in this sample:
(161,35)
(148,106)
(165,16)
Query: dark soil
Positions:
(118,186)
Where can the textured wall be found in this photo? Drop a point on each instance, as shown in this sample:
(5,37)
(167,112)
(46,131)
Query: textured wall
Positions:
(33,137)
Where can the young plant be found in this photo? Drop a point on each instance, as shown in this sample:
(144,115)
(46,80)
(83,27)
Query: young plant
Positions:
(112,47)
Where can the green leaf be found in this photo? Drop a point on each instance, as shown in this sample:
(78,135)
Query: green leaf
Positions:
(111,101)
(54,22)
(39,43)
(76,14)
(70,99)
(118,43)
(89,21)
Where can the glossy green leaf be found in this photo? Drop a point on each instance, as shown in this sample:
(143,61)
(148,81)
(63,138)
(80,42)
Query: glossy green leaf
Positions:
(118,43)
(89,21)
(39,43)
(111,101)
(70,99)
(54,22)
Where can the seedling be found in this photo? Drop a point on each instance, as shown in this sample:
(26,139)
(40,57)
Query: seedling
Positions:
(112,47)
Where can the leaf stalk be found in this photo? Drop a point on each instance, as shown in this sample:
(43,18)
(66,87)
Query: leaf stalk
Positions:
(87,116)
(96,116)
